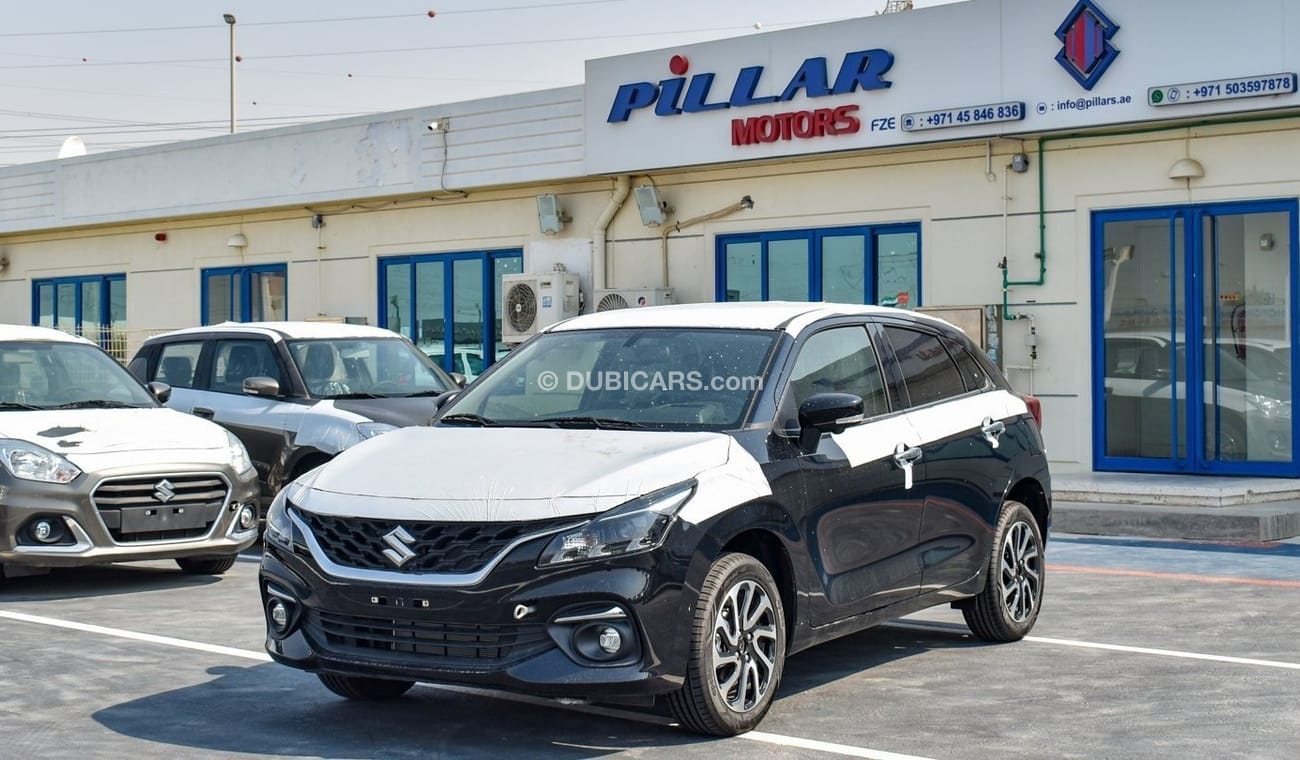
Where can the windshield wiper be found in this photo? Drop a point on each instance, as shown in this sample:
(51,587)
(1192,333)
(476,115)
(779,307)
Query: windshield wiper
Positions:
(599,423)
(17,405)
(420,394)
(467,419)
(356,396)
(96,403)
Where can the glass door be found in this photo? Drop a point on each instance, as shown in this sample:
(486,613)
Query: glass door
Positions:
(1246,309)
(1193,312)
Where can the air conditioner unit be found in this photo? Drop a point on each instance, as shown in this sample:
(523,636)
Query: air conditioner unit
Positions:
(609,300)
(530,302)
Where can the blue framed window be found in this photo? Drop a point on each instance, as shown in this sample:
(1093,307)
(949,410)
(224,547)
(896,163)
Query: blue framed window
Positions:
(245,294)
(876,264)
(93,306)
(448,304)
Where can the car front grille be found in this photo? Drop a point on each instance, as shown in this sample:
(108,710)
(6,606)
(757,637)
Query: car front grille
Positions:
(463,644)
(160,507)
(438,547)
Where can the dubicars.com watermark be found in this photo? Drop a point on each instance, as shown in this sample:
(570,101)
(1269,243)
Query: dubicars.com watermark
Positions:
(639,381)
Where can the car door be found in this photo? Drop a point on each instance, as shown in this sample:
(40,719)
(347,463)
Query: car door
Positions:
(862,514)
(961,419)
(263,423)
(177,363)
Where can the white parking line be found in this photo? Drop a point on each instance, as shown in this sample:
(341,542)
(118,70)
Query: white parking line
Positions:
(247,654)
(136,636)
(943,628)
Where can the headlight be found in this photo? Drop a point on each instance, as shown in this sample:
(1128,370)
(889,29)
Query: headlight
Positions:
(31,462)
(238,454)
(278,526)
(637,526)
(372,429)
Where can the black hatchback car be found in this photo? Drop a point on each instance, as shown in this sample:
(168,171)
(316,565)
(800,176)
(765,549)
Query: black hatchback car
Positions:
(668,502)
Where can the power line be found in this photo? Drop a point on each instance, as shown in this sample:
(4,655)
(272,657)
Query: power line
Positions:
(389,51)
(288,22)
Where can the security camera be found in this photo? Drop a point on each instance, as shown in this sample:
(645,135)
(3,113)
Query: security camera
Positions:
(438,125)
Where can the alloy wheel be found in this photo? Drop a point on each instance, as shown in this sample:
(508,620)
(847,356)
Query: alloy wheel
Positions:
(1022,572)
(744,646)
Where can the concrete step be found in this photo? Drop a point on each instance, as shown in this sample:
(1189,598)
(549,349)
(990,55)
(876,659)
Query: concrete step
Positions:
(1175,490)
(1271,522)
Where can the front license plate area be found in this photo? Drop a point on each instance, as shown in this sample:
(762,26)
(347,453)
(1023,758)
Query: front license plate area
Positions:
(155,519)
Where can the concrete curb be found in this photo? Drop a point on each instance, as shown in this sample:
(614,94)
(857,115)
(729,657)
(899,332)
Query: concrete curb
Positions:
(1271,522)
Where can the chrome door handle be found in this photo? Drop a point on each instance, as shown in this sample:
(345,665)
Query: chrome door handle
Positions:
(905,457)
(993,430)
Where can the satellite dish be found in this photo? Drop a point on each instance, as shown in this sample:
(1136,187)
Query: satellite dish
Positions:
(73,146)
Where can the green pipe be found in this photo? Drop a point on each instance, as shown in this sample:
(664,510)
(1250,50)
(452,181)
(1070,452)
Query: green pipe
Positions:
(1007,282)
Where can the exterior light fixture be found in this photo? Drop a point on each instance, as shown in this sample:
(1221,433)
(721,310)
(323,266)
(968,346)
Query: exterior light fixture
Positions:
(1186,168)
(550,217)
(237,240)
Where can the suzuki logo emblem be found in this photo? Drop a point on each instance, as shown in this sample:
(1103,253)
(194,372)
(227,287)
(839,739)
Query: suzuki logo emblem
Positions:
(400,542)
(164,491)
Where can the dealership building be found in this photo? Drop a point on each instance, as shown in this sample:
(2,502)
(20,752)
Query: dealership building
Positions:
(1087,186)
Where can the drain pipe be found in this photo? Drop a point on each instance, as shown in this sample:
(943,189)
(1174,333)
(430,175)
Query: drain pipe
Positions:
(740,205)
(622,186)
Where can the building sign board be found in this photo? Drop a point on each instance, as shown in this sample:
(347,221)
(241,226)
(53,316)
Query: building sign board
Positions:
(1027,66)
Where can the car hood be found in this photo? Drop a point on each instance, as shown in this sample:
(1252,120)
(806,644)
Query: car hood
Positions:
(89,437)
(397,411)
(501,474)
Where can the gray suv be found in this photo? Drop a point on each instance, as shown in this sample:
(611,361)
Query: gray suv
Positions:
(296,393)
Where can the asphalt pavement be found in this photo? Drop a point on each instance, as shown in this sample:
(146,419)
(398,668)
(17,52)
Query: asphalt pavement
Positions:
(1145,649)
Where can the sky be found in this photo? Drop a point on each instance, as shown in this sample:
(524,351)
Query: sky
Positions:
(133,73)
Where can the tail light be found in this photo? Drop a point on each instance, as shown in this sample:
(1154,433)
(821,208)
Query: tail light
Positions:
(1035,408)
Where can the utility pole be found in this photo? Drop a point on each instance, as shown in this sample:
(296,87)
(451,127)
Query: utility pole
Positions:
(230,21)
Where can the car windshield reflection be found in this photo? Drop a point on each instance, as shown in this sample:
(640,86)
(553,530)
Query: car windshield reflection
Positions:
(65,375)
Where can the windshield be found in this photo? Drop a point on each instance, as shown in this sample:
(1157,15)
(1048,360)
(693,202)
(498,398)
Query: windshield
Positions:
(49,375)
(366,368)
(666,378)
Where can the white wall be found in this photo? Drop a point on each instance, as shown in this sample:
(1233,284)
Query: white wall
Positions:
(946,189)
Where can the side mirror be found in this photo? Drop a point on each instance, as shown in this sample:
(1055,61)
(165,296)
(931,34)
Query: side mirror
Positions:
(443,399)
(160,391)
(261,386)
(827,413)
(458,379)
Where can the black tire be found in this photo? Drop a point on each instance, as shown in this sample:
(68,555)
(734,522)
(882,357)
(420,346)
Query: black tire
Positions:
(206,566)
(703,704)
(364,689)
(1008,607)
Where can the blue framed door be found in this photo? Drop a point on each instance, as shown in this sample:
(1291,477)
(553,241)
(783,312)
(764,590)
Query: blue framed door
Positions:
(448,304)
(244,294)
(1194,313)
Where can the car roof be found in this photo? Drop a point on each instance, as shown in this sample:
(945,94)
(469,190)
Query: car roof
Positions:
(43,334)
(752,315)
(286,330)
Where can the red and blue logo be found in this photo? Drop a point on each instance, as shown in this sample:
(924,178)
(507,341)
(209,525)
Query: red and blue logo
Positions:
(1086,50)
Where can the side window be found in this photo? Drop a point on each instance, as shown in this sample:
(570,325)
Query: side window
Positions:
(971,371)
(930,374)
(839,360)
(237,360)
(177,363)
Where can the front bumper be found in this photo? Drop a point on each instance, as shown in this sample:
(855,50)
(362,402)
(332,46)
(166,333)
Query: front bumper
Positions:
(513,630)
(95,537)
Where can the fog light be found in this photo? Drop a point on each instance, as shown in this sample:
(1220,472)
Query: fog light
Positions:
(610,640)
(46,531)
(247,518)
(279,614)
